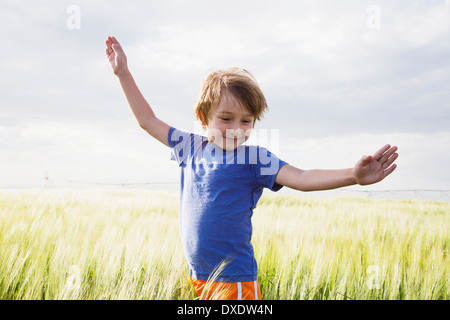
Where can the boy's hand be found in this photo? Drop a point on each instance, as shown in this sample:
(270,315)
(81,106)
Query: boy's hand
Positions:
(372,169)
(116,56)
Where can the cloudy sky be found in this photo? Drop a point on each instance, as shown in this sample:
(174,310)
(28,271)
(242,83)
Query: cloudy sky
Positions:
(342,78)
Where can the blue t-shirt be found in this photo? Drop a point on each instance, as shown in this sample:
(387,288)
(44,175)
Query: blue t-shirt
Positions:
(219,190)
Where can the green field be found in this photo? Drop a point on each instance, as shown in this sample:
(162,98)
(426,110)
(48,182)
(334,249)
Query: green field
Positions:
(124,244)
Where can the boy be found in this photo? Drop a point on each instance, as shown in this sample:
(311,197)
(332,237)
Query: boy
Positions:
(222,179)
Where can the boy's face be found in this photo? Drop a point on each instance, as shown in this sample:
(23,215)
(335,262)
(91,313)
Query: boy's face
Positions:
(230,125)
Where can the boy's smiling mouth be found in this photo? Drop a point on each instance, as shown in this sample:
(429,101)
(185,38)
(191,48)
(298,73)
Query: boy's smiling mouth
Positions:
(226,142)
(235,139)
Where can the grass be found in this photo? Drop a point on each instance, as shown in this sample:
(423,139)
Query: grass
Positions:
(125,244)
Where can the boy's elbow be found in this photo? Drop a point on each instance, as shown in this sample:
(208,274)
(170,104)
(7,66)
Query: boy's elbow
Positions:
(146,123)
(143,125)
(300,187)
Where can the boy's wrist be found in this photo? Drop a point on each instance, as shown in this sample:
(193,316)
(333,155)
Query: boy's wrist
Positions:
(123,74)
(353,178)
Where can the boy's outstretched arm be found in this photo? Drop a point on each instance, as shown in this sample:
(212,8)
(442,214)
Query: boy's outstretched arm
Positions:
(141,109)
(368,170)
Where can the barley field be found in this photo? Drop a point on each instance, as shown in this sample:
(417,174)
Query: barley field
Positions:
(124,244)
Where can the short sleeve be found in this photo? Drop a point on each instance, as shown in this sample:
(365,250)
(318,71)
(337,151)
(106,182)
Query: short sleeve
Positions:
(266,169)
(185,145)
(180,144)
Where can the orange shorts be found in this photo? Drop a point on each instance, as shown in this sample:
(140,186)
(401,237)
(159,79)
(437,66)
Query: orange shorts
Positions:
(227,290)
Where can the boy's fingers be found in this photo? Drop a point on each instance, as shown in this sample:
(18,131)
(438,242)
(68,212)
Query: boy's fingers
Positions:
(112,45)
(109,50)
(377,155)
(390,160)
(389,170)
(387,155)
(115,42)
(391,152)
(110,41)
(109,45)
(116,48)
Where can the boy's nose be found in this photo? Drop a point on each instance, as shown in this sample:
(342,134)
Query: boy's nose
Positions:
(238,127)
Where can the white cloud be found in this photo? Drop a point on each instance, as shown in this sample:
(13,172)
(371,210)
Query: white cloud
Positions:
(80,152)
(419,26)
(324,72)
(183,47)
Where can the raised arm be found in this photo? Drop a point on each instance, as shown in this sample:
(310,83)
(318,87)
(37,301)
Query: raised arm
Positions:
(141,109)
(368,170)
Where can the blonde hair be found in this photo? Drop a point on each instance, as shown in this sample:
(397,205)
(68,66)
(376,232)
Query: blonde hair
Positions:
(240,83)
